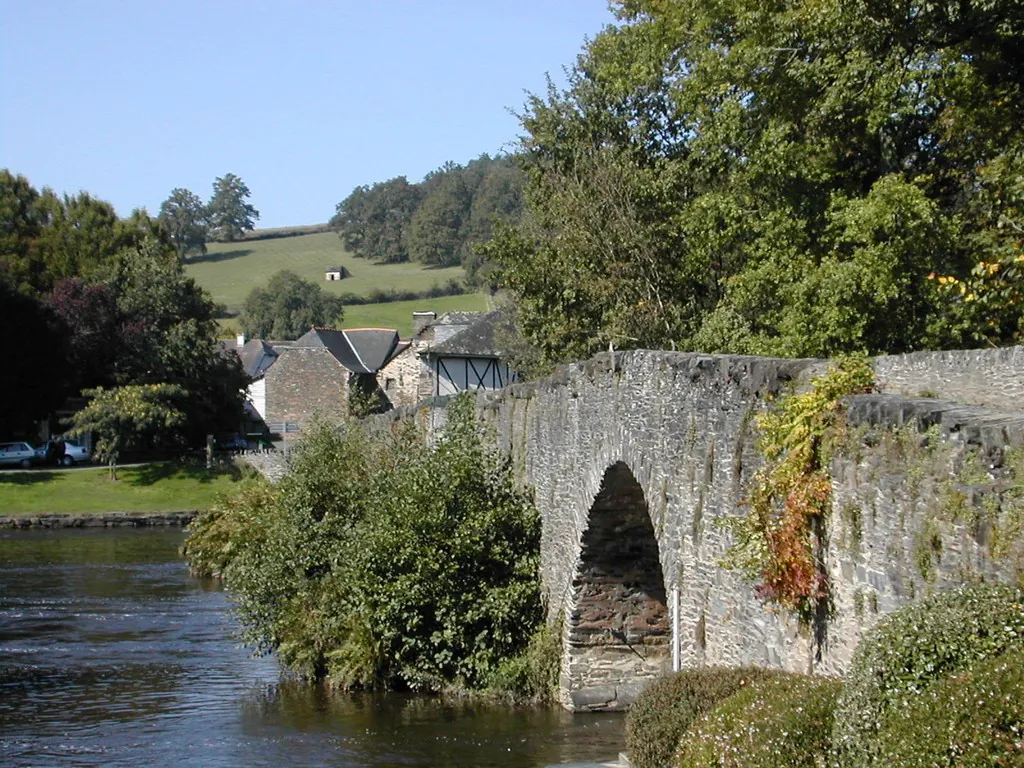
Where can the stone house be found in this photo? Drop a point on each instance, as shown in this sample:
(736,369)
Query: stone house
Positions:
(446,355)
(470,359)
(322,373)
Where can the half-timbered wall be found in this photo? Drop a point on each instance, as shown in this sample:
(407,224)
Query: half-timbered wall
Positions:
(458,374)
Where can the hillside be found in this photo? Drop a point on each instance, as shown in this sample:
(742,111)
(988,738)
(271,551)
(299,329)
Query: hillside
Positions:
(229,271)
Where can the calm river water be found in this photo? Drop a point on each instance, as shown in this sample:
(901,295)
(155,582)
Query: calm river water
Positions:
(112,655)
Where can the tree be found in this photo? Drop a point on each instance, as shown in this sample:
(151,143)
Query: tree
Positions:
(90,316)
(773,179)
(35,376)
(167,334)
(372,221)
(184,216)
(287,308)
(437,230)
(127,417)
(229,215)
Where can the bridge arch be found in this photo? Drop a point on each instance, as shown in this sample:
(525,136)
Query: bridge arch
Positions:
(617,633)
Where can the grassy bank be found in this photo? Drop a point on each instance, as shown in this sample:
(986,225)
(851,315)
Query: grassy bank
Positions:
(398,314)
(161,487)
(230,270)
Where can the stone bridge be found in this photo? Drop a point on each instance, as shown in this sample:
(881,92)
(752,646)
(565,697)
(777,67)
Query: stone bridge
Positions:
(633,456)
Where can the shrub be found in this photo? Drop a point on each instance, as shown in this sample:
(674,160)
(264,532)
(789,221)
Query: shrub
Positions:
(911,649)
(782,722)
(221,533)
(666,708)
(381,562)
(969,720)
(534,674)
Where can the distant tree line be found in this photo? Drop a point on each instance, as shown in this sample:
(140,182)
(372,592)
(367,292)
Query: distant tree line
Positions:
(191,223)
(90,301)
(436,221)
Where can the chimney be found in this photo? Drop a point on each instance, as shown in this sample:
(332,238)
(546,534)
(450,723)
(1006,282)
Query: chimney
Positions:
(421,320)
(240,339)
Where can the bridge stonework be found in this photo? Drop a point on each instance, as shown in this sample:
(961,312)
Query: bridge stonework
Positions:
(633,456)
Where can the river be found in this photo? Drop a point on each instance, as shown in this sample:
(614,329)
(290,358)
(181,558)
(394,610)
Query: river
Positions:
(112,655)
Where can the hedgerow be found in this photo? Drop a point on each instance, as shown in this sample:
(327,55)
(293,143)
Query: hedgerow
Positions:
(908,651)
(973,719)
(667,706)
(781,722)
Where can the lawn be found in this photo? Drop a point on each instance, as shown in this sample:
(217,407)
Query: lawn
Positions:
(163,487)
(229,271)
(398,314)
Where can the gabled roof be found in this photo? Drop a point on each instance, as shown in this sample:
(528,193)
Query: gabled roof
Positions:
(256,356)
(476,340)
(361,350)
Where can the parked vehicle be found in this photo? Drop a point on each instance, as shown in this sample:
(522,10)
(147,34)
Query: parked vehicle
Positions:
(74,454)
(233,443)
(21,454)
(61,452)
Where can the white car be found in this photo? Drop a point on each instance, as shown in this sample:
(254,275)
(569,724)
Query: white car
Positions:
(22,454)
(74,454)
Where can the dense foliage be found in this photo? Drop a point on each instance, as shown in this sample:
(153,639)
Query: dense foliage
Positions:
(127,417)
(189,222)
(804,178)
(668,706)
(379,562)
(779,543)
(436,221)
(105,303)
(287,307)
(186,219)
(908,651)
(974,719)
(782,722)
(228,213)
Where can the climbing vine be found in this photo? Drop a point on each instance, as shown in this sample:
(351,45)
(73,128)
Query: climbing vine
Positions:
(778,544)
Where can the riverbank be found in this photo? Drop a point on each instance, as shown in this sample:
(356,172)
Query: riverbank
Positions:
(82,497)
(99,520)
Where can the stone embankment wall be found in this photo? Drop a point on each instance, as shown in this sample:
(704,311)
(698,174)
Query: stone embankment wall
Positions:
(634,456)
(104,520)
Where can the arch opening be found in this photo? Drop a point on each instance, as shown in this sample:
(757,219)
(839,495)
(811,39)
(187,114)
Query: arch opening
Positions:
(618,634)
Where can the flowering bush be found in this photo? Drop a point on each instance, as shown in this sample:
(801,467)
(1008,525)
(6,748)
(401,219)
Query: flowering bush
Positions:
(969,720)
(781,722)
(911,649)
(667,707)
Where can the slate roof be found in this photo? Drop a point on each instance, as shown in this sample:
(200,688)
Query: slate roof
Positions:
(361,350)
(476,340)
(256,356)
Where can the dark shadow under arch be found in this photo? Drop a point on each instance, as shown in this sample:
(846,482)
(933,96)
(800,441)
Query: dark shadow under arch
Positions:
(618,634)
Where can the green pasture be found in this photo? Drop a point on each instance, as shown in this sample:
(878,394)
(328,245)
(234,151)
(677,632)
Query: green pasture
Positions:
(163,487)
(229,271)
(398,314)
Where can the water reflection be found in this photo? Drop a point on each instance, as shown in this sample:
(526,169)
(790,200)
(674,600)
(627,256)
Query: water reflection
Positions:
(110,654)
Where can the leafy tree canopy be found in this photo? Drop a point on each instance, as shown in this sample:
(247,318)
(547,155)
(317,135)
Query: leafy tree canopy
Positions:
(230,216)
(287,307)
(127,417)
(437,221)
(45,237)
(184,216)
(774,179)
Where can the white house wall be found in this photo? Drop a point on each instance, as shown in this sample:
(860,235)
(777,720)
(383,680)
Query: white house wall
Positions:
(257,395)
(457,374)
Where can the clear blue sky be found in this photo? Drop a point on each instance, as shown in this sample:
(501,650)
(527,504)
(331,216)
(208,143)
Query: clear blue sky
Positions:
(303,100)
